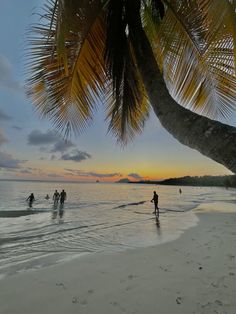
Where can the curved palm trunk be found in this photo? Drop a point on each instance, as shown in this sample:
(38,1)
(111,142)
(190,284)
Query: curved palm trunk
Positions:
(211,138)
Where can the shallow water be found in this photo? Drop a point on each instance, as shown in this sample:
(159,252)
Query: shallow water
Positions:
(97,217)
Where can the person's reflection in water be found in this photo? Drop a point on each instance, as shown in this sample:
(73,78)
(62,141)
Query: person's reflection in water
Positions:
(54,214)
(158,226)
(61,211)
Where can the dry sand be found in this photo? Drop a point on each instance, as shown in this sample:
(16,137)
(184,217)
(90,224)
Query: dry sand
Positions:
(194,274)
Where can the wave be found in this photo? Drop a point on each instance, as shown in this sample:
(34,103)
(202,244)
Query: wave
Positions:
(19,213)
(129,204)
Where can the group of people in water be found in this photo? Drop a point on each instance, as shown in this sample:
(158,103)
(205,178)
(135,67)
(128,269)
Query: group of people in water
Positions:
(61,197)
(57,197)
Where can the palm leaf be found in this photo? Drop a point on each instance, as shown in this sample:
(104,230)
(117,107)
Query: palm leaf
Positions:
(127,105)
(67,65)
(69,75)
(195,48)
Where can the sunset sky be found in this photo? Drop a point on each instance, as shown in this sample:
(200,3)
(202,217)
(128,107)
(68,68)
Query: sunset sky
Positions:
(30,148)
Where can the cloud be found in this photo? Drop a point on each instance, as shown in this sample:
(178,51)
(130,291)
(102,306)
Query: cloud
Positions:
(92,174)
(76,155)
(3,116)
(104,175)
(53,175)
(7,161)
(135,176)
(39,138)
(17,128)
(36,137)
(6,78)
(62,146)
(26,171)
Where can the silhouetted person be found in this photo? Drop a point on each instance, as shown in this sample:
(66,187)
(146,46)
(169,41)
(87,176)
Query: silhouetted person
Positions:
(62,197)
(31,199)
(56,197)
(180,191)
(155,200)
(47,197)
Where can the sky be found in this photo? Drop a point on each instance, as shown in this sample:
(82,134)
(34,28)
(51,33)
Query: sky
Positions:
(31,149)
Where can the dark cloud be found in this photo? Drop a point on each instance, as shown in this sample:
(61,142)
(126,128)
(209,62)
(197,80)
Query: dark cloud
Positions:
(49,138)
(135,176)
(17,128)
(62,146)
(76,155)
(7,161)
(3,116)
(92,174)
(26,171)
(36,137)
(2,138)
(104,175)
(7,170)
(53,175)
(6,78)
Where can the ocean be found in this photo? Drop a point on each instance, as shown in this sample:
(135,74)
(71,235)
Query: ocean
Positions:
(96,218)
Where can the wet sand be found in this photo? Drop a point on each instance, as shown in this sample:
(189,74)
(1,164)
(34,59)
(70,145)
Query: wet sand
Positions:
(194,274)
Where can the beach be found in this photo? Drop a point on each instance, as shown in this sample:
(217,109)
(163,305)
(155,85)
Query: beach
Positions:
(193,274)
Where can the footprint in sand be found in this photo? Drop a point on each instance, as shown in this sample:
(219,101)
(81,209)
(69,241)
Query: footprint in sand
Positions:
(61,284)
(166,269)
(179,300)
(218,302)
(116,304)
(231,257)
(76,300)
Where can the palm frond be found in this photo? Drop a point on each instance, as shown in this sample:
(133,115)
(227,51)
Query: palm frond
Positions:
(151,20)
(129,108)
(127,105)
(195,48)
(66,65)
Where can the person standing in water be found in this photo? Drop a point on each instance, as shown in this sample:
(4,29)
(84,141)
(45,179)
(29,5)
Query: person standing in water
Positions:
(180,191)
(56,197)
(62,197)
(155,201)
(31,199)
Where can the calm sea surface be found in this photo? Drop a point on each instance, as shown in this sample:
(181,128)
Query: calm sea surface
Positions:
(97,217)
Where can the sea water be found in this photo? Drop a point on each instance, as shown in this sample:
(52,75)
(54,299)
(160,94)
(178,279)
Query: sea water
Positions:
(96,217)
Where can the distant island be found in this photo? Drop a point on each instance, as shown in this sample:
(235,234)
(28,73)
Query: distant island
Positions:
(125,180)
(225,181)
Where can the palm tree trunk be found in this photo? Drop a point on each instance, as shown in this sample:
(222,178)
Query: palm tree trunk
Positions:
(211,138)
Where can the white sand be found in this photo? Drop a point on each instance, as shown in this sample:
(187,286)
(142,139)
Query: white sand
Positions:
(193,274)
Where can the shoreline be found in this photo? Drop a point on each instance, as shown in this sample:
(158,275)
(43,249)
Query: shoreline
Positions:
(193,274)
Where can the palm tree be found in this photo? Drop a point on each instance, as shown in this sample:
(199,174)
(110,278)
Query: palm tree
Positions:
(177,57)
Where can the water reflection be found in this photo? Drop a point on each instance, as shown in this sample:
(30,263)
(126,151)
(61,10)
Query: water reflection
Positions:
(158,224)
(58,213)
(54,214)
